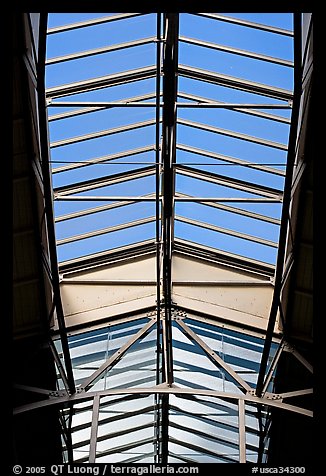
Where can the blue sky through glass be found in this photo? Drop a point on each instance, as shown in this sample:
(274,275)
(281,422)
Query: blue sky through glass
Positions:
(262,141)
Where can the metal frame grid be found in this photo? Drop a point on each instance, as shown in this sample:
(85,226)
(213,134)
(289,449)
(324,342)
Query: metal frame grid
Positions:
(166,167)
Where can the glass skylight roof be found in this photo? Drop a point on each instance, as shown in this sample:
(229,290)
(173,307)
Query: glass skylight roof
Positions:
(235,147)
(168,138)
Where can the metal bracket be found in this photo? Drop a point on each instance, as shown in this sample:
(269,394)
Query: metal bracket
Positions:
(267,395)
(288,348)
(178,314)
(57,393)
(273,396)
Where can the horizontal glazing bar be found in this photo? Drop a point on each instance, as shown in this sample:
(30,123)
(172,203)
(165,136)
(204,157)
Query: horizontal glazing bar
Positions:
(205,103)
(98,51)
(250,109)
(106,104)
(103,231)
(92,22)
(230,105)
(238,211)
(115,79)
(86,185)
(236,135)
(214,255)
(106,198)
(150,162)
(238,21)
(106,132)
(228,49)
(100,160)
(226,231)
(91,106)
(74,198)
(229,160)
(234,82)
(111,206)
(226,181)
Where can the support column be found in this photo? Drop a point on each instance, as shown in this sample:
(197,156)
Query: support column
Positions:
(170,64)
(168,159)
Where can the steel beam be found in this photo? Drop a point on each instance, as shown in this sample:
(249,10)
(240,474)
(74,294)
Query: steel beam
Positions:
(151,282)
(236,51)
(233,134)
(173,390)
(48,203)
(94,429)
(244,386)
(66,433)
(262,436)
(227,283)
(273,366)
(225,181)
(242,431)
(110,198)
(104,181)
(168,158)
(99,51)
(59,364)
(228,159)
(299,357)
(89,107)
(169,129)
(101,82)
(104,159)
(226,231)
(234,83)
(103,133)
(246,23)
(92,22)
(37,390)
(103,231)
(243,108)
(109,282)
(291,156)
(158,224)
(115,357)
(297,393)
